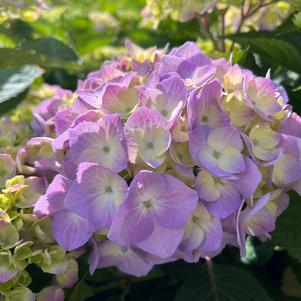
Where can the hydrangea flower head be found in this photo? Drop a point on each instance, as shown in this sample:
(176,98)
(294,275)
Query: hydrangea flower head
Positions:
(156,157)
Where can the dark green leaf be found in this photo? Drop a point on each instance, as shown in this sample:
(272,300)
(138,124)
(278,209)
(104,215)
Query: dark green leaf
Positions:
(12,103)
(226,283)
(182,270)
(281,49)
(81,292)
(20,29)
(44,52)
(51,48)
(15,80)
(288,229)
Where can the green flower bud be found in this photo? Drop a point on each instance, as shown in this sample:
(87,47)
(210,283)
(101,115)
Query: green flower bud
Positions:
(54,260)
(18,224)
(7,286)
(6,201)
(9,235)
(14,184)
(24,279)
(28,218)
(36,257)
(70,276)
(43,230)
(21,254)
(20,293)
(27,196)
(51,293)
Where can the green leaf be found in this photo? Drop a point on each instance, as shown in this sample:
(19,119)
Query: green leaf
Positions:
(225,283)
(281,49)
(81,292)
(288,228)
(13,81)
(51,48)
(15,58)
(44,52)
(17,29)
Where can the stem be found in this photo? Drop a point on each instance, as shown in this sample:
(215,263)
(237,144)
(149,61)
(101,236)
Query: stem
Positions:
(212,278)
(241,21)
(261,5)
(204,21)
(223,28)
(249,13)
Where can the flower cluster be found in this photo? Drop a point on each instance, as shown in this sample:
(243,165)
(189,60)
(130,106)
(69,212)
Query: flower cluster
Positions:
(158,157)
(26,239)
(264,15)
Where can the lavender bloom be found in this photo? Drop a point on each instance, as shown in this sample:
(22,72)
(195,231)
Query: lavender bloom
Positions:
(286,169)
(143,219)
(204,107)
(53,200)
(155,157)
(129,260)
(203,232)
(185,60)
(70,230)
(147,137)
(168,98)
(261,96)
(100,142)
(217,150)
(256,220)
(222,197)
(96,194)
(120,97)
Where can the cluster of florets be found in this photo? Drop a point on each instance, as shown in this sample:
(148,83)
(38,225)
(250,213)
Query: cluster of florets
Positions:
(158,157)
(25,238)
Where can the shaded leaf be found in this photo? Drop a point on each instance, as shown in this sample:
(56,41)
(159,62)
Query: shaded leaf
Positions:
(281,49)
(81,292)
(226,283)
(44,52)
(288,228)
(51,48)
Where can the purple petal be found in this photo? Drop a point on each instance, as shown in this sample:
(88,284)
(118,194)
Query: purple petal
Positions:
(53,200)
(249,179)
(96,194)
(229,201)
(204,107)
(128,260)
(162,242)
(70,230)
(101,142)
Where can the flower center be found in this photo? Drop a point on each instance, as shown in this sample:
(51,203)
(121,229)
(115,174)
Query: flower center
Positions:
(164,113)
(150,145)
(108,189)
(204,119)
(216,154)
(124,249)
(147,204)
(106,149)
